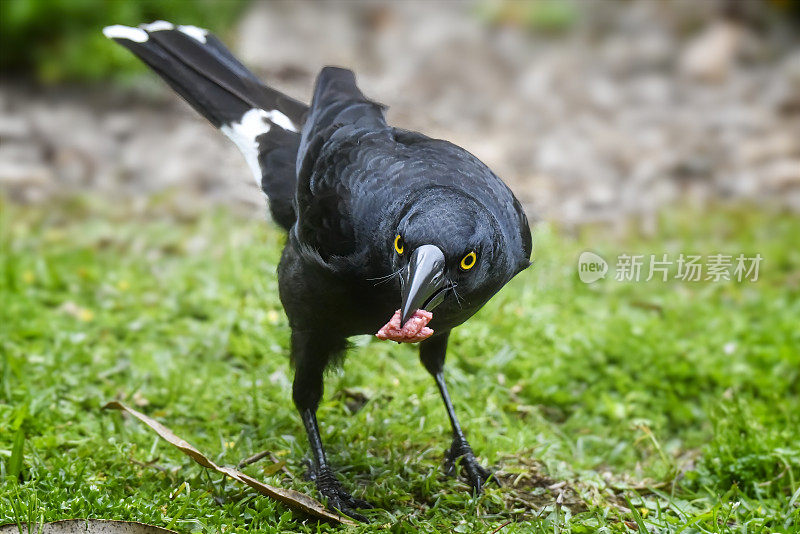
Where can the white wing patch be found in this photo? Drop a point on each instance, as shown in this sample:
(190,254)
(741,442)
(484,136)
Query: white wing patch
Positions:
(244,134)
(253,123)
(125,32)
(281,120)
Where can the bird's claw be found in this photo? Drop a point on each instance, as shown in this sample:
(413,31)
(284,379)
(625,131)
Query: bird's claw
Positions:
(476,475)
(338,498)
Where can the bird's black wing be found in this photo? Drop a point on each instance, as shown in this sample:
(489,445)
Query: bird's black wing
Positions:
(340,142)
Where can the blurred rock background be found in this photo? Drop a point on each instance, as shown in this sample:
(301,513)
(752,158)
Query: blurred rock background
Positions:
(591,111)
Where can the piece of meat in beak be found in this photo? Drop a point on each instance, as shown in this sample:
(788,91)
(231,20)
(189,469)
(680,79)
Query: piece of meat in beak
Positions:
(423,288)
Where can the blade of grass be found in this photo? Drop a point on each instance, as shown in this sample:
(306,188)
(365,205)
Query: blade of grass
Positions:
(636,515)
(17,455)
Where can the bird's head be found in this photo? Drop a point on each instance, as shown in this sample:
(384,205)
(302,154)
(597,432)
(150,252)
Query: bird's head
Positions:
(452,254)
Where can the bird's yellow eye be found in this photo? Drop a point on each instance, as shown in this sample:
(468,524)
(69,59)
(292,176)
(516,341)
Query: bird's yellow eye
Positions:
(468,261)
(399,246)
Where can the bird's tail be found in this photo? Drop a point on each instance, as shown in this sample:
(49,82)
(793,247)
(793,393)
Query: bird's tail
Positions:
(264,123)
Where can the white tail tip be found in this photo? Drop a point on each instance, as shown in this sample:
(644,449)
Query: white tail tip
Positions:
(119,31)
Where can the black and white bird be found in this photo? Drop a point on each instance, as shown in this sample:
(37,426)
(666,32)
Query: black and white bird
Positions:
(385,225)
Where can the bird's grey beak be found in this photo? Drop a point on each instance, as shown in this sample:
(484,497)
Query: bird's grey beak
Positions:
(423,281)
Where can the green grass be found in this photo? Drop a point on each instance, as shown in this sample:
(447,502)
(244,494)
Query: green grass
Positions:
(672,407)
(62,40)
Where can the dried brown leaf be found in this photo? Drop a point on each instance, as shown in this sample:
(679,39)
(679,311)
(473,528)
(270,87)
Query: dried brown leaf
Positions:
(291,498)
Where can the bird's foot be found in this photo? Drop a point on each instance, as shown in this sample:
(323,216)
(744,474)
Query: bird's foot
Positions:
(460,452)
(338,498)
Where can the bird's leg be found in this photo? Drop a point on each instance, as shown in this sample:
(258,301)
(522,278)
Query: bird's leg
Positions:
(432,353)
(310,357)
(476,474)
(323,476)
